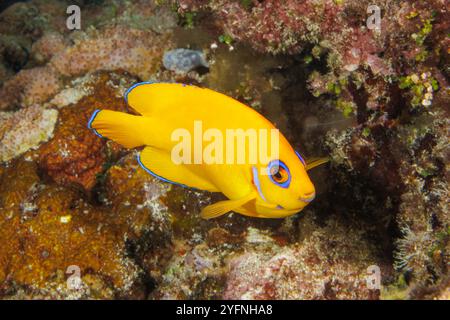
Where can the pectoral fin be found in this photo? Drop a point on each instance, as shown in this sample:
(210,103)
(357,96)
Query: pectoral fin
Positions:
(314,162)
(219,208)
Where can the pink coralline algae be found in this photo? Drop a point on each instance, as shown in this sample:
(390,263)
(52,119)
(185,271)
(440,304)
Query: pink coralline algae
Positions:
(25,129)
(277,26)
(136,51)
(47,46)
(373,100)
(363,61)
(30,86)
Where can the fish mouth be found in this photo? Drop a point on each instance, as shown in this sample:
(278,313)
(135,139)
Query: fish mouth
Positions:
(275,211)
(309,199)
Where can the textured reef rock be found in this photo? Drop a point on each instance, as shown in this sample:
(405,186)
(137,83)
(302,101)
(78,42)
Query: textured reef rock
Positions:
(47,46)
(137,198)
(21,25)
(47,228)
(113,46)
(50,214)
(360,68)
(74,154)
(30,86)
(117,48)
(375,101)
(262,264)
(424,246)
(307,269)
(272,26)
(24,130)
(136,51)
(50,229)
(391,164)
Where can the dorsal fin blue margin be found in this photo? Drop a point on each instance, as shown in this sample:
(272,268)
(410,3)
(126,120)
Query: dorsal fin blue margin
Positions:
(162,178)
(301,158)
(147,82)
(91,119)
(137,85)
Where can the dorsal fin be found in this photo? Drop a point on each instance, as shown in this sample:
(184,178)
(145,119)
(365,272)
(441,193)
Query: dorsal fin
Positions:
(146,97)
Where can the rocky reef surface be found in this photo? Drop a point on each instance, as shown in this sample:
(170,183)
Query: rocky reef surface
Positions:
(79,218)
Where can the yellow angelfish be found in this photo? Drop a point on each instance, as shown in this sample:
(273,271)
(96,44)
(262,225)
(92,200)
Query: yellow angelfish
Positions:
(274,188)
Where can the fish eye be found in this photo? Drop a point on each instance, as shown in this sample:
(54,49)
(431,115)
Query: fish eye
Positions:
(279,173)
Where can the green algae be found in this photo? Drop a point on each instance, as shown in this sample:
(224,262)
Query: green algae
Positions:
(396,291)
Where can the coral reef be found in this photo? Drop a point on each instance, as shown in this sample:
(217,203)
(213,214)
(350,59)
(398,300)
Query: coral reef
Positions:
(136,51)
(258,264)
(73,157)
(305,270)
(363,64)
(117,48)
(47,46)
(47,228)
(30,86)
(137,198)
(24,130)
(375,100)
(21,24)
(423,217)
(392,81)
(112,47)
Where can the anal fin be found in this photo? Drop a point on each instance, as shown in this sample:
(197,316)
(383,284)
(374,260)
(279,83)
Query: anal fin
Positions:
(159,164)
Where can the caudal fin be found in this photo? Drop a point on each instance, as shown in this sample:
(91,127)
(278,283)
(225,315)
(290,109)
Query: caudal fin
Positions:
(123,128)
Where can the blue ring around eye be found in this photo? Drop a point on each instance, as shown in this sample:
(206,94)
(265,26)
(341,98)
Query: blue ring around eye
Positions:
(301,158)
(280,163)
